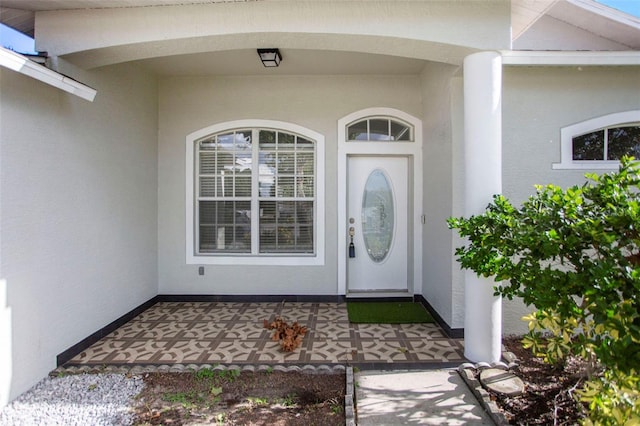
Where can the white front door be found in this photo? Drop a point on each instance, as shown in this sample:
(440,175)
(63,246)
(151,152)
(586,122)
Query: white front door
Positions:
(378,217)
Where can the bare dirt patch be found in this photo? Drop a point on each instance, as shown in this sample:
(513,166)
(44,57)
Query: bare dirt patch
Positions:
(231,397)
(549,397)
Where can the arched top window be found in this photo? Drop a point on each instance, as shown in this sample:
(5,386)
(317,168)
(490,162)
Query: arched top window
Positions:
(599,143)
(379,129)
(255,194)
(609,143)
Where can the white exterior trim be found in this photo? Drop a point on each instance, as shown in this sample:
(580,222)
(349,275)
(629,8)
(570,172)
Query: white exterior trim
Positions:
(319,222)
(19,63)
(412,149)
(607,12)
(545,58)
(568,133)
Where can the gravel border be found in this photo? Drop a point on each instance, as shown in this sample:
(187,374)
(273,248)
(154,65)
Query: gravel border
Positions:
(82,399)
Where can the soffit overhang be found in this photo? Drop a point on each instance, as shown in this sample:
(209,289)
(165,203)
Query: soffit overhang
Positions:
(525,13)
(431,31)
(598,19)
(588,15)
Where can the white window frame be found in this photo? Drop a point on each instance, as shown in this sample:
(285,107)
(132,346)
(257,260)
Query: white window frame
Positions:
(599,123)
(192,257)
(390,120)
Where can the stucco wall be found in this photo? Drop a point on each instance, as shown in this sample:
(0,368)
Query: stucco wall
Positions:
(188,104)
(438,101)
(537,103)
(78,214)
(458,196)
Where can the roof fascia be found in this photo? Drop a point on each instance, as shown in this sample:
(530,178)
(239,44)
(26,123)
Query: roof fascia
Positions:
(569,58)
(600,20)
(607,12)
(19,63)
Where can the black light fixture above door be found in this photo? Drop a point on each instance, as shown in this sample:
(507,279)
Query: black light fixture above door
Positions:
(270,57)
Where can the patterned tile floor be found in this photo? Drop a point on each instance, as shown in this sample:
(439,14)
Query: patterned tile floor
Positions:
(233,333)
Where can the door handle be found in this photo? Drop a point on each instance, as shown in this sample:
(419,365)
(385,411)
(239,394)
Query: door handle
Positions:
(352,248)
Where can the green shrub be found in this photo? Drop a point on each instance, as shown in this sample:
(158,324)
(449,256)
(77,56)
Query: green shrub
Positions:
(574,254)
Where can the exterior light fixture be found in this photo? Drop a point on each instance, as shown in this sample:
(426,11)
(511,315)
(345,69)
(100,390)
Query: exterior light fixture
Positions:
(270,57)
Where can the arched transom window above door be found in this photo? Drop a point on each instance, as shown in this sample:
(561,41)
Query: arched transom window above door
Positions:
(379,129)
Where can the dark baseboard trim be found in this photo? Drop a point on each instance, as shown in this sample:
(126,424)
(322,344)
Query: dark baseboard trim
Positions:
(74,350)
(243,298)
(453,333)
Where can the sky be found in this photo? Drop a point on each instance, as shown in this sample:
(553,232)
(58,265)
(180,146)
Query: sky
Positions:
(632,7)
(16,41)
(12,39)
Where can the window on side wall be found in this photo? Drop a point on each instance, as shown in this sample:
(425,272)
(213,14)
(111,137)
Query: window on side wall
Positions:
(254,197)
(599,143)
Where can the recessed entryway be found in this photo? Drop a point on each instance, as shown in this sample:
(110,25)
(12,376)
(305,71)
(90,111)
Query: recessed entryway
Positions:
(379,204)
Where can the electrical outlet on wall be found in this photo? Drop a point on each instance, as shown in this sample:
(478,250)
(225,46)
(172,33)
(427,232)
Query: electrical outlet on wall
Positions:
(201,270)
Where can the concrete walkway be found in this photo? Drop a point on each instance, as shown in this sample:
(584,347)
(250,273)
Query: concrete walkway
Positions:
(435,397)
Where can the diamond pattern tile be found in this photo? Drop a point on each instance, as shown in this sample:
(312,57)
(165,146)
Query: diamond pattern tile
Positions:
(225,332)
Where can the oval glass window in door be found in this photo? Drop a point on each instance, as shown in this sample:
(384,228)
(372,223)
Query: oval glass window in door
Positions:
(377,215)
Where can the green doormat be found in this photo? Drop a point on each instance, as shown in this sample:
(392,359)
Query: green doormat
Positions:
(388,312)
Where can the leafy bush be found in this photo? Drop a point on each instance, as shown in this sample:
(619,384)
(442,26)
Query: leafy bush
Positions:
(574,254)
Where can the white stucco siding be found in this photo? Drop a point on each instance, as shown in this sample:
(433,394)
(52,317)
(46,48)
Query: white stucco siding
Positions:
(438,30)
(458,172)
(438,105)
(537,103)
(188,104)
(78,217)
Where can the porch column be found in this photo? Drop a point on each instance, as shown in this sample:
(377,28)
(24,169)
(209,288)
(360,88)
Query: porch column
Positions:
(483,179)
